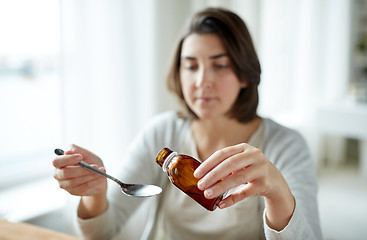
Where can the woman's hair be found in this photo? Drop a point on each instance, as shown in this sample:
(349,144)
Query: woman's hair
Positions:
(232,30)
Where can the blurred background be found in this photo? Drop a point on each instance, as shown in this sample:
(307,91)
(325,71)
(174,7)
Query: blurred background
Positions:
(92,72)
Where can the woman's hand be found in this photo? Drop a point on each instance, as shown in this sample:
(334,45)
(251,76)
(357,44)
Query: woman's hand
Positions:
(82,182)
(75,179)
(243,164)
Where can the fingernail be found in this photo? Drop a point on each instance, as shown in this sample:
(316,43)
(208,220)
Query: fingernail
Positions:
(197,173)
(70,151)
(222,205)
(201,184)
(72,147)
(208,193)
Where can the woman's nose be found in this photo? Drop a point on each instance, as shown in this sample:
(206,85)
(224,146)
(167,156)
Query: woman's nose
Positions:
(203,79)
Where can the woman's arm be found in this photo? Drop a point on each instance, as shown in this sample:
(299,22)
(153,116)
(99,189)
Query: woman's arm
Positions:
(286,184)
(92,206)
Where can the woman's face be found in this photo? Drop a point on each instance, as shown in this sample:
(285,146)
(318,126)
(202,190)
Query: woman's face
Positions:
(210,86)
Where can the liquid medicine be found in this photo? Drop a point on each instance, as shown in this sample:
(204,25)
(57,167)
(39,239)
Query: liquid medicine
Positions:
(180,170)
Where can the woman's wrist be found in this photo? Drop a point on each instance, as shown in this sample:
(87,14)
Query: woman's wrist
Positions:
(92,206)
(279,209)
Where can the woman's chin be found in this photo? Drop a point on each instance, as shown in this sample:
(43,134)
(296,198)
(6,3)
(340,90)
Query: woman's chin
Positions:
(206,115)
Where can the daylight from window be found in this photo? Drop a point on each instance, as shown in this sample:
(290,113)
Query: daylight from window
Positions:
(29,88)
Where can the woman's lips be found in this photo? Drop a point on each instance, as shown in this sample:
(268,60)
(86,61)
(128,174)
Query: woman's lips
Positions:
(204,99)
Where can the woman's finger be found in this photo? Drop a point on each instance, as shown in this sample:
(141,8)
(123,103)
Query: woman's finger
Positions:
(89,188)
(67,160)
(225,169)
(236,179)
(216,158)
(88,156)
(71,172)
(75,182)
(246,191)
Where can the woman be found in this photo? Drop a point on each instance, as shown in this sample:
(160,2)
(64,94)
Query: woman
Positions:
(266,168)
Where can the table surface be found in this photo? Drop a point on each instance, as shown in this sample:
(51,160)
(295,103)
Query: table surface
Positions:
(24,231)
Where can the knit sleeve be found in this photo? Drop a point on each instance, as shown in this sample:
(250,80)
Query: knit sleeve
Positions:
(289,152)
(296,229)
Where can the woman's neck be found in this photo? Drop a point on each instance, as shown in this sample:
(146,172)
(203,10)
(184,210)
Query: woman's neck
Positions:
(211,135)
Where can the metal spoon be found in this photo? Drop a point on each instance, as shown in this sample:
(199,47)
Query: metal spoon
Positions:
(134,190)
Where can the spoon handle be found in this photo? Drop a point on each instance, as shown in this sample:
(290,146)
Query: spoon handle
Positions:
(89,167)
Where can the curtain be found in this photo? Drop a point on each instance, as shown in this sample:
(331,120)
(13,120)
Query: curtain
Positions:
(305,48)
(305,54)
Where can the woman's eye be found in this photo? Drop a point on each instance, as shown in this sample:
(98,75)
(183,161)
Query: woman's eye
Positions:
(220,66)
(190,67)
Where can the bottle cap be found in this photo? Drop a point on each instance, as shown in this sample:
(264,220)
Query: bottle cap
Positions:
(162,155)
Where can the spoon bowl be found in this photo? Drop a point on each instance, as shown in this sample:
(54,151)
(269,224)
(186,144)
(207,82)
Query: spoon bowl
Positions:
(134,190)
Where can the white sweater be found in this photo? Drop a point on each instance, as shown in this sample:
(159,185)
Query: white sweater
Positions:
(174,215)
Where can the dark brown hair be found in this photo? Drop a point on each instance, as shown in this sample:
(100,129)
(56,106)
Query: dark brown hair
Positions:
(233,32)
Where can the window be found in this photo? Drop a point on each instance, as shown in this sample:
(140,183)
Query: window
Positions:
(29,88)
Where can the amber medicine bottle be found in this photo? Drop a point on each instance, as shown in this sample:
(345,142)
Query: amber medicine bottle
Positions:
(180,170)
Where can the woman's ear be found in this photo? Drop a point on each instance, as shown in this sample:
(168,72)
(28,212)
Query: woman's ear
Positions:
(243,84)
